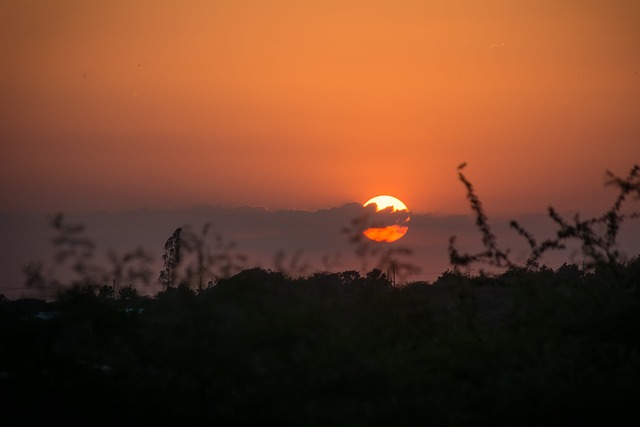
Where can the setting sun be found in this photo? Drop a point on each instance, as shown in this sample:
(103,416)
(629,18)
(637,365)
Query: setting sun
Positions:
(389,221)
(383,202)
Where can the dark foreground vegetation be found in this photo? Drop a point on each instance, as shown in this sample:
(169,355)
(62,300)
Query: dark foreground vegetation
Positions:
(525,348)
(532,346)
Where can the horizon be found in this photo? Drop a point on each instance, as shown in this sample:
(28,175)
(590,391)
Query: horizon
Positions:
(464,209)
(601,198)
(317,238)
(115,107)
(186,233)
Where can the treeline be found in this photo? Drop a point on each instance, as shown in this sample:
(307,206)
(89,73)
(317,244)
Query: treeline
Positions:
(524,348)
(528,347)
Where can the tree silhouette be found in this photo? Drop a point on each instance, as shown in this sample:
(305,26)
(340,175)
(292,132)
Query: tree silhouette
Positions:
(210,257)
(171,259)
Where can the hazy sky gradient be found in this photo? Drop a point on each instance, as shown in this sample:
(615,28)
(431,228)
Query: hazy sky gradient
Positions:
(312,239)
(311,104)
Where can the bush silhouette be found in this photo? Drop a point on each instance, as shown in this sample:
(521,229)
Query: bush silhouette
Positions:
(530,346)
(599,246)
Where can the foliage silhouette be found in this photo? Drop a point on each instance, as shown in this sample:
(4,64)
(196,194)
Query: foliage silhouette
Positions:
(171,259)
(524,348)
(130,267)
(212,258)
(296,266)
(192,257)
(389,257)
(531,346)
(75,264)
(598,246)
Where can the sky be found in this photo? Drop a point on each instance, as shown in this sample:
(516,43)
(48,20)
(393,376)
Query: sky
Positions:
(293,241)
(113,105)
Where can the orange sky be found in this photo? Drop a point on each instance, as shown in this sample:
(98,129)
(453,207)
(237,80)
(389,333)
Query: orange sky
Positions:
(113,105)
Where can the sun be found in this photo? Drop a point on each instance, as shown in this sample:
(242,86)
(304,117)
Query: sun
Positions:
(389,221)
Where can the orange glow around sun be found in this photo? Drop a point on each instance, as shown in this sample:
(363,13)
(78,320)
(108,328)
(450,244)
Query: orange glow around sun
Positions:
(389,221)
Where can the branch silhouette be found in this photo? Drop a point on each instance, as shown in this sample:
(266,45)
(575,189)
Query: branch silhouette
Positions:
(600,247)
